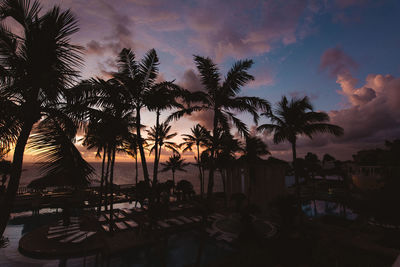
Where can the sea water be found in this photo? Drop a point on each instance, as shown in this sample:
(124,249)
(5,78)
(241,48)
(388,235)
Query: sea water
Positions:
(125,173)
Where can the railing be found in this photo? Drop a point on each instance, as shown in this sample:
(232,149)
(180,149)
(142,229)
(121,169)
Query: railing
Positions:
(23,189)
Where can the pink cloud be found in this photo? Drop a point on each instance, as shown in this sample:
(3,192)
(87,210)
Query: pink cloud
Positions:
(336,61)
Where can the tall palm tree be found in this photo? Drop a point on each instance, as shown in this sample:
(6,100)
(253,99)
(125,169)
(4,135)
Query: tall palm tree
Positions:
(196,138)
(36,68)
(61,162)
(162,134)
(174,163)
(138,78)
(130,147)
(295,118)
(225,151)
(221,98)
(112,122)
(160,97)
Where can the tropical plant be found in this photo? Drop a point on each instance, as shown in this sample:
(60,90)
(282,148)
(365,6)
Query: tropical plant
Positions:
(138,78)
(162,135)
(110,125)
(130,147)
(61,162)
(312,164)
(185,188)
(36,66)
(221,98)
(295,118)
(173,164)
(254,148)
(160,97)
(226,148)
(5,170)
(197,138)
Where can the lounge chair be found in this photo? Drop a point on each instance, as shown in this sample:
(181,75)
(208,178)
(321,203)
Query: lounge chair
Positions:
(50,232)
(163,224)
(175,221)
(132,223)
(52,228)
(184,219)
(120,215)
(58,235)
(196,218)
(102,218)
(83,237)
(74,236)
(121,225)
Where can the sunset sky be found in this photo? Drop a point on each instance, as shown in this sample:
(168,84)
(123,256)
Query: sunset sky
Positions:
(343,54)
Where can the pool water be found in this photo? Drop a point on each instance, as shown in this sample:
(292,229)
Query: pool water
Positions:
(181,251)
(318,208)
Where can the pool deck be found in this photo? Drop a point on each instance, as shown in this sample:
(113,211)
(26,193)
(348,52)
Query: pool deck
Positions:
(35,244)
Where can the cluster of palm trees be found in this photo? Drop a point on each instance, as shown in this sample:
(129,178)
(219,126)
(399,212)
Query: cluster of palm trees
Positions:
(40,93)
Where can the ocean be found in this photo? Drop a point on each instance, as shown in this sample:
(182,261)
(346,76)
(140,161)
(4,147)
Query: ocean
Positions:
(124,173)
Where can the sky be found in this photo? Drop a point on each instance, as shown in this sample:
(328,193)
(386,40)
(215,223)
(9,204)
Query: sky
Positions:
(343,54)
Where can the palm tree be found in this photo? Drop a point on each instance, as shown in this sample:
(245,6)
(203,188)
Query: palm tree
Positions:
(62,164)
(226,148)
(112,122)
(222,99)
(36,68)
(160,97)
(130,147)
(138,78)
(295,118)
(254,148)
(198,139)
(174,163)
(162,135)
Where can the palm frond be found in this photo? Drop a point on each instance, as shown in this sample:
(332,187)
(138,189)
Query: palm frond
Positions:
(209,72)
(237,76)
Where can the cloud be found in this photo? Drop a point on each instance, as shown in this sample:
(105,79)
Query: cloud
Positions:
(191,81)
(336,62)
(242,28)
(373,114)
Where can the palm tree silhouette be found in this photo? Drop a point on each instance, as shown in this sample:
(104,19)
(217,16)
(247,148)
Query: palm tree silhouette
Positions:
(222,99)
(130,147)
(254,148)
(138,78)
(61,162)
(160,97)
(36,68)
(174,163)
(198,139)
(113,123)
(162,135)
(295,118)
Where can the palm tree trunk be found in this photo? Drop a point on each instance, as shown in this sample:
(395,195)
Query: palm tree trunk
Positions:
(211,170)
(136,169)
(200,173)
(107,184)
(223,177)
(296,177)
(141,149)
(173,180)
(8,202)
(112,190)
(155,169)
(102,180)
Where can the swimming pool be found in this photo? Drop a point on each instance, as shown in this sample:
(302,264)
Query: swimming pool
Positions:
(181,250)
